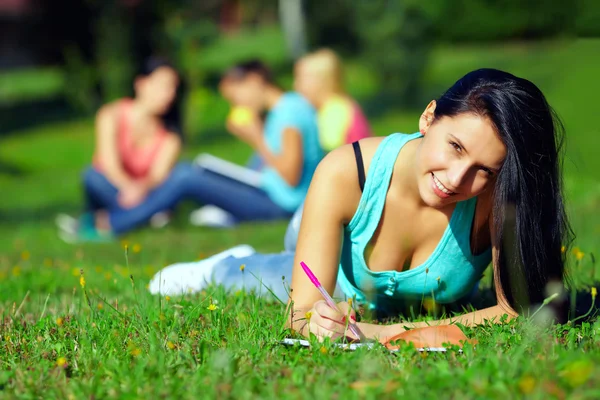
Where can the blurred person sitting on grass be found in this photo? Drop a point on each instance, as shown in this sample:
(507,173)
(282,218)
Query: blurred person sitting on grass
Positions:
(286,145)
(138,142)
(392,221)
(319,77)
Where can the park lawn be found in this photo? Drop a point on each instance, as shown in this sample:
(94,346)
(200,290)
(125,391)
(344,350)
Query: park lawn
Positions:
(104,336)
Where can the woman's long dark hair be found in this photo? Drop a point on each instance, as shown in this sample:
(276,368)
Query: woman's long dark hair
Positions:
(172,118)
(529,215)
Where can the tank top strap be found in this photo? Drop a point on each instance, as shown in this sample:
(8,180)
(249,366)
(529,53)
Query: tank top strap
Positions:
(370,207)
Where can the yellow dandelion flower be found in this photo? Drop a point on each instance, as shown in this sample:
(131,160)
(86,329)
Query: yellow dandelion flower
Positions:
(16,270)
(212,307)
(167,298)
(136,248)
(170,345)
(242,267)
(577,373)
(59,321)
(563,249)
(579,255)
(308,315)
(575,250)
(61,361)
(25,255)
(527,384)
(594,292)
(136,352)
(100,306)
(82,281)
(429,304)
(323,350)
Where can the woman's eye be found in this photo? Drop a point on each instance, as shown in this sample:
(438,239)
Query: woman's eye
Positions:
(456,146)
(487,171)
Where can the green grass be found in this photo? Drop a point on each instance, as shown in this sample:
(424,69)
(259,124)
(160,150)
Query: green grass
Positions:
(117,341)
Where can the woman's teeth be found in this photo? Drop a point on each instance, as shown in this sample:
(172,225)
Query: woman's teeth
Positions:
(440,186)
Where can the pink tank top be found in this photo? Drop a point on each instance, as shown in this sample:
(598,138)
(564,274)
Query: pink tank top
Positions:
(359,127)
(136,161)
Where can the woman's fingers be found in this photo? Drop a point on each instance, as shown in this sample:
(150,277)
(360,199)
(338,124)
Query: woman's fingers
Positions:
(347,310)
(325,311)
(328,322)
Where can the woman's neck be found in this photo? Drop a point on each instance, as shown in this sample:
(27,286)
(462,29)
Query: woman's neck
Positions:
(406,170)
(272,96)
(141,116)
(325,97)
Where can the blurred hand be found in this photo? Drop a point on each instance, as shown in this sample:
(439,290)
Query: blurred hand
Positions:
(327,322)
(250,132)
(132,195)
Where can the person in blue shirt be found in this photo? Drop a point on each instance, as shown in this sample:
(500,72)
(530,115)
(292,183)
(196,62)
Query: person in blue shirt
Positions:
(286,142)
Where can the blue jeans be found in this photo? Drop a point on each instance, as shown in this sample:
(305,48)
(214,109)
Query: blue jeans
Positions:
(244,202)
(261,271)
(102,195)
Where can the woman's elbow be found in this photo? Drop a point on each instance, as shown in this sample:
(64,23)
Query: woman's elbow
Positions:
(292,177)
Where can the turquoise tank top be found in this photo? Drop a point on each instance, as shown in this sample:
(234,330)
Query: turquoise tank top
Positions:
(449,273)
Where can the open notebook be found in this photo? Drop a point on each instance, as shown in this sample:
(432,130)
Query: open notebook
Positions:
(229,169)
(429,339)
(354,346)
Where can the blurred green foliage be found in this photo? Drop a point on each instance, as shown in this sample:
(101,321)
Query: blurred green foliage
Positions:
(387,45)
(31,84)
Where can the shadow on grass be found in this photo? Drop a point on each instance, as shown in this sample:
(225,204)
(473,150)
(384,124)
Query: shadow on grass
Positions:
(45,214)
(6,168)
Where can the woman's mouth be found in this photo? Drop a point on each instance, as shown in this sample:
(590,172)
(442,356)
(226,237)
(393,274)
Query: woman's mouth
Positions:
(439,189)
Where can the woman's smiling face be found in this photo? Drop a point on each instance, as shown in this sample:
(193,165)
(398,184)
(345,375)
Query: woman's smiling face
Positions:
(459,157)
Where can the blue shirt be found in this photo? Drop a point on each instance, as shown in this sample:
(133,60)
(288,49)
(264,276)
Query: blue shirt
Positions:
(291,111)
(448,274)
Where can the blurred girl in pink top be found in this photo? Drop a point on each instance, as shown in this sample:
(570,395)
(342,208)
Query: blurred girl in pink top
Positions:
(138,142)
(318,77)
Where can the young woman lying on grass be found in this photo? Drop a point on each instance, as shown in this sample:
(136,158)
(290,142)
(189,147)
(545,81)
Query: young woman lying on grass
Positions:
(392,220)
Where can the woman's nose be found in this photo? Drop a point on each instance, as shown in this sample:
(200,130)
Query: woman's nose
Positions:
(457,175)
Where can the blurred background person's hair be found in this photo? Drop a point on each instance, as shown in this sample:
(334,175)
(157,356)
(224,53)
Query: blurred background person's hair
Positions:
(319,77)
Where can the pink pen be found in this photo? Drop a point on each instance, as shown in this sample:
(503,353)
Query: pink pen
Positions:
(330,302)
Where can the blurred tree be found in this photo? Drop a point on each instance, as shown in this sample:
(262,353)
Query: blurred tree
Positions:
(291,15)
(395,39)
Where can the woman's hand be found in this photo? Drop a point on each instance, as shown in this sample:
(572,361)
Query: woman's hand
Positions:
(324,321)
(250,132)
(132,195)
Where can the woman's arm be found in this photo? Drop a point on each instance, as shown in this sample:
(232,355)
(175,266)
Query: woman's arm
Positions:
(289,162)
(165,160)
(106,146)
(331,201)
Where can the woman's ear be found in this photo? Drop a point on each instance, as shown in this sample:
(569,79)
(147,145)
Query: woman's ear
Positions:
(427,117)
